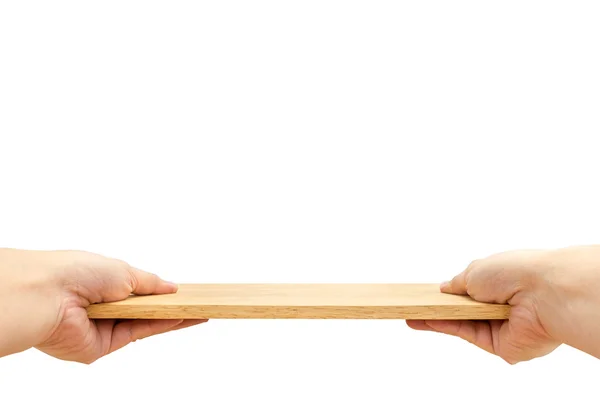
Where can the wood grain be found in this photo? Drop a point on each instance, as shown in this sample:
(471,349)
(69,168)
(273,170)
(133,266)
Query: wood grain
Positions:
(300,301)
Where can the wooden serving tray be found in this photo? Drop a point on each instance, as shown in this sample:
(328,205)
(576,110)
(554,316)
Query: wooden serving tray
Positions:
(300,301)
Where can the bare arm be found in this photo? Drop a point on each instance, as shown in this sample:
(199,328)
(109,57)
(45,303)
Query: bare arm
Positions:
(43,296)
(555,299)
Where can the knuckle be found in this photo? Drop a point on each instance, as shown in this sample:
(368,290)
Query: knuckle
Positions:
(469,276)
(473,265)
(468,282)
(133,281)
(130,336)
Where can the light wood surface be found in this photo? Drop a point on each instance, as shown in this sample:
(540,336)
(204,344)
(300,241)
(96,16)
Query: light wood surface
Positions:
(300,301)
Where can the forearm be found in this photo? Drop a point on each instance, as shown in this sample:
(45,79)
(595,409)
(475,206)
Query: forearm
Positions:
(25,292)
(569,298)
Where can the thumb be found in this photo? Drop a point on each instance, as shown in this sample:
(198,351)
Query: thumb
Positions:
(495,279)
(146,283)
(457,286)
(96,278)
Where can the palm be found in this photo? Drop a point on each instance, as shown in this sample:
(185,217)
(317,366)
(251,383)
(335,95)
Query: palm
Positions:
(96,279)
(79,339)
(517,339)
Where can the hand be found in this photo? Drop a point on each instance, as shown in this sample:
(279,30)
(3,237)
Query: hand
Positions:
(554,297)
(43,300)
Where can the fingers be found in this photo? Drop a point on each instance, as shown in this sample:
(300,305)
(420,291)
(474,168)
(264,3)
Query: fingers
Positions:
(129,331)
(475,332)
(185,324)
(145,283)
(457,286)
(418,325)
(478,333)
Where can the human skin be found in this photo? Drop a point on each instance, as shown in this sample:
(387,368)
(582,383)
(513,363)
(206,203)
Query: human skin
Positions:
(43,300)
(554,297)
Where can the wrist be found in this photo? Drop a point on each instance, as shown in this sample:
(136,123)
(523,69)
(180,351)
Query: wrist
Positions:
(29,291)
(567,295)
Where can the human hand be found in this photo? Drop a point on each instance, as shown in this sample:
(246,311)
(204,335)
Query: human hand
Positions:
(554,297)
(43,300)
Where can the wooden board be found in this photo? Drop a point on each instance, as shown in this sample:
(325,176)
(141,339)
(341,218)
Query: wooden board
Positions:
(300,301)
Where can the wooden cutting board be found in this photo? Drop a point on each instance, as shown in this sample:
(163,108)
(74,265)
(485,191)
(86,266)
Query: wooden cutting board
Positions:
(300,301)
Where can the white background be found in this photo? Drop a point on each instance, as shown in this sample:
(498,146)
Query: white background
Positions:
(308,141)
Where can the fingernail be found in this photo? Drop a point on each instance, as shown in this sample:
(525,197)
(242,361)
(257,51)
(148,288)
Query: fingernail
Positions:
(173,285)
(445,286)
